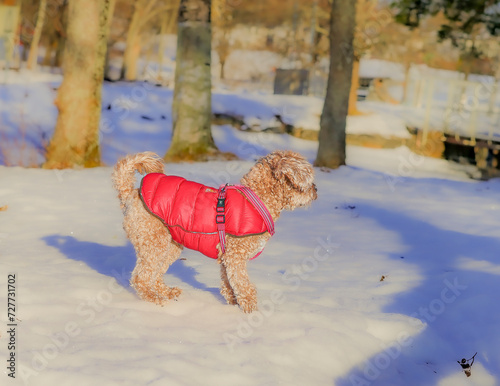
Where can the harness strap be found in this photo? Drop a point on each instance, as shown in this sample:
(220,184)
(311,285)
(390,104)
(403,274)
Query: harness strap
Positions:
(259,205)
(220,218)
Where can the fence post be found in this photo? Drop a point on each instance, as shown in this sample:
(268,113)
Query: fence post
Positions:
(428,103)
(449,105)
(493,97)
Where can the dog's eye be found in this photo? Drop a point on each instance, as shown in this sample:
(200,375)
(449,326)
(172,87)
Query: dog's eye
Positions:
(296,187)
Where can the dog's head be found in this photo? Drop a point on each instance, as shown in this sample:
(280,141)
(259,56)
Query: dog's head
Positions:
(294,177)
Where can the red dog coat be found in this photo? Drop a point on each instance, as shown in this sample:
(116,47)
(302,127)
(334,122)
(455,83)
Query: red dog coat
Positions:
(188,209)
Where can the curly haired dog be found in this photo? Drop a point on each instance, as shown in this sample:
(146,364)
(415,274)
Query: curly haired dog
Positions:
(282,180)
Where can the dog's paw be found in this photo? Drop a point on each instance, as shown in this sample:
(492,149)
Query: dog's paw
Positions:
(228,295)
(170,293)
(175,292)
(248,301)
(162,296)
(248,305)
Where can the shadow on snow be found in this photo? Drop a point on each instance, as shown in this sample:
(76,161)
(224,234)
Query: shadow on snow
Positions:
(119,262)
(456,304)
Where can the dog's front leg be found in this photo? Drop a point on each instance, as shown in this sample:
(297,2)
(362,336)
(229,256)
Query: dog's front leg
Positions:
(225,287)
(235,265)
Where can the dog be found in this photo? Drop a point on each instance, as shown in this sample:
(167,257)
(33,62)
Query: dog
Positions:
(282,180)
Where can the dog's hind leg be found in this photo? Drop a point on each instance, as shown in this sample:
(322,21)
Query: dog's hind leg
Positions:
(147,277)
(155,251)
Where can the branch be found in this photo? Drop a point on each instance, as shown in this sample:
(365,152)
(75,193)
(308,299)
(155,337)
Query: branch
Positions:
(156,12)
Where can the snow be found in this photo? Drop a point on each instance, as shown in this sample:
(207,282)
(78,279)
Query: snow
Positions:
(140,115)
(257,64)
(325,316)
(377,68)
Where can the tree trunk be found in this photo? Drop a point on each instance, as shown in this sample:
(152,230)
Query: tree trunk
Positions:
(146,70)
(331,150)
(144,10)
(49,50)
(167,26)
(161,47)
(222,74)
(223,50)
(76,137)
(40,20)
(133,47)
(192,107)
(353,93)
(59,58)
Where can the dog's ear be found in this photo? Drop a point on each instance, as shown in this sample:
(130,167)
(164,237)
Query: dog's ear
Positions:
(292,167)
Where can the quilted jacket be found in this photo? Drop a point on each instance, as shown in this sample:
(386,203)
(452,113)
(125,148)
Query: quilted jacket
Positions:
(188,209)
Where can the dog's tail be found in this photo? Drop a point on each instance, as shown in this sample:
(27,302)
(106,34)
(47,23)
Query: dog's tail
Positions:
(123,176)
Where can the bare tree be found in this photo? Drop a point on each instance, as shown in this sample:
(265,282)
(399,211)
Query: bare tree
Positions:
(192,106)
(144,12)
(168,23)
(331,150)
(76,137)
(371,21)
(223,22)
(40,20)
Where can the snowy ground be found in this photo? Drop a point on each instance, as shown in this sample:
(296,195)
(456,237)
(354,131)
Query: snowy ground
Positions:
(137,116)
(325,317)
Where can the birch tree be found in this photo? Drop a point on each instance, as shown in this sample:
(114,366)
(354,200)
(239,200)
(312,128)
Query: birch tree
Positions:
(331,150)
(222,22)
(75,142)
(40,20)
(144,12)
